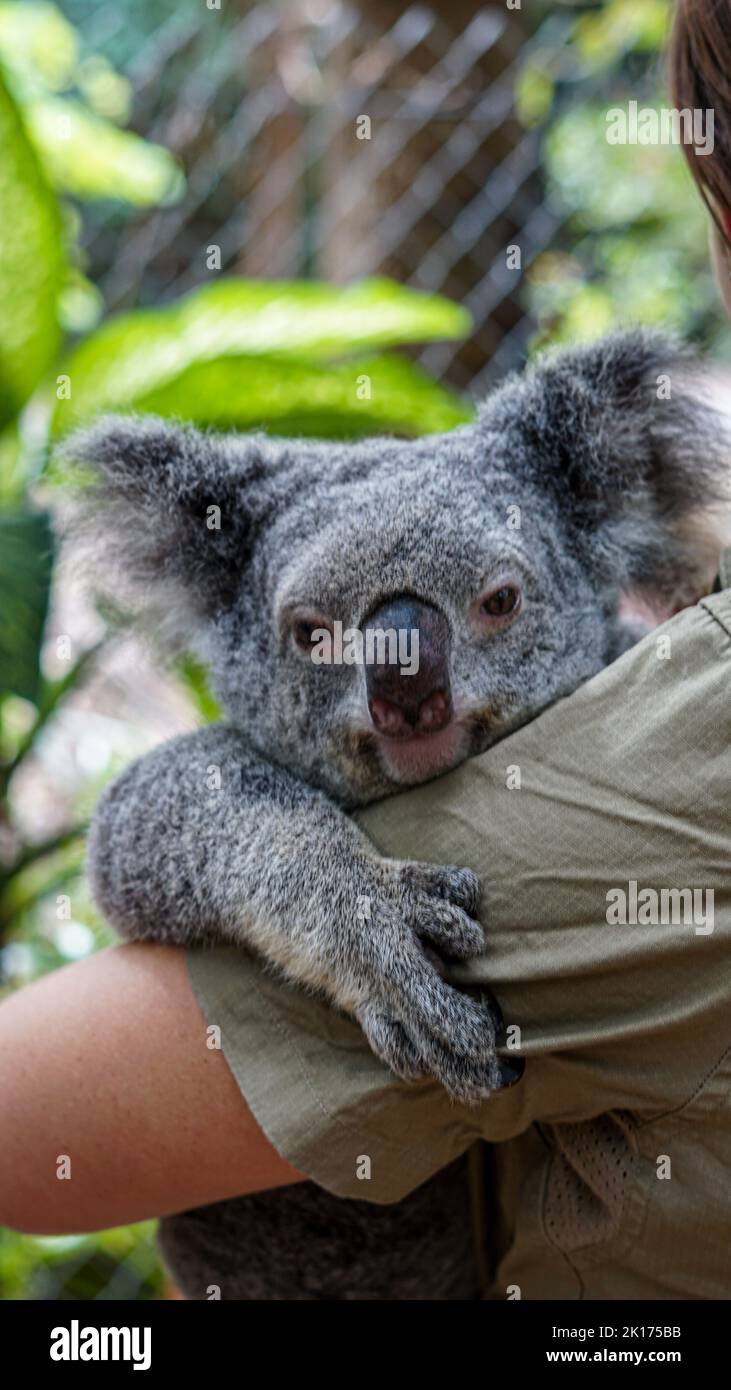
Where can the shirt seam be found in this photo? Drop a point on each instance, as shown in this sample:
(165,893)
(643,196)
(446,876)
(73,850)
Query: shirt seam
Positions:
(711,611)
(678,1109)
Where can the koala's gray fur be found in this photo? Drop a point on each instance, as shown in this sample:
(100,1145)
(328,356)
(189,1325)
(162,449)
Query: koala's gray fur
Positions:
(614,486)
(309,1245)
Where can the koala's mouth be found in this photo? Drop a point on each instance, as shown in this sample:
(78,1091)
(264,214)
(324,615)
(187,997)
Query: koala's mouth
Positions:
(423,756)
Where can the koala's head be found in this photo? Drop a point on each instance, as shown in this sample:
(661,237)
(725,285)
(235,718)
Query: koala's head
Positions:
(497,554)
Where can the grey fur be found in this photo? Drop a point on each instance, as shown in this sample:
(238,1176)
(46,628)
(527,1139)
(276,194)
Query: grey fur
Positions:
(614,486)
(311,1246)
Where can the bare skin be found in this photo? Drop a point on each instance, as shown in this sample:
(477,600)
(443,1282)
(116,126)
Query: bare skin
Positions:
(106,1061)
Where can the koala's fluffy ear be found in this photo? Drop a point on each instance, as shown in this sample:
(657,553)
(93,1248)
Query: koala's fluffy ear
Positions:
(163,515)
(628,435)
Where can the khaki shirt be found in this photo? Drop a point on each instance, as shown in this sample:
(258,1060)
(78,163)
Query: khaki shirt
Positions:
(610,1171)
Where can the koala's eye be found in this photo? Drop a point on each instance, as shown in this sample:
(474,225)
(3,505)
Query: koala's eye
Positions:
(501,601)
(303,629)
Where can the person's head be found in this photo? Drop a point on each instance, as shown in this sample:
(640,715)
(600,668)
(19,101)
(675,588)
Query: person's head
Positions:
(700,79)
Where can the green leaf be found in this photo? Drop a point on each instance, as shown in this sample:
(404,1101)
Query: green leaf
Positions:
(40,879)
(49,696)
(31,264)
(364,396)
(605,35)
(26,562)
(88,156)
(39,43)
(13,467)
(136,355)
(534,92)
(195,680)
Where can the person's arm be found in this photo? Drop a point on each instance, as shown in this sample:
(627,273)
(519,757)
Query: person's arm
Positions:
(106,1062)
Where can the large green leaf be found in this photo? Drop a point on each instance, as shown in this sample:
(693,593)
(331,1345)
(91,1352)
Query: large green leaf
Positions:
(26,562)
(31,264)
(363,396)
(142,353)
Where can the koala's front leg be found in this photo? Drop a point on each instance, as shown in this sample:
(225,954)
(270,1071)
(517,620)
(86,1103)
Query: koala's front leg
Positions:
(203,840)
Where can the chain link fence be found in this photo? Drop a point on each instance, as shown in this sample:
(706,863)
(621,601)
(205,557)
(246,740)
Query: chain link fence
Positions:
(334,139)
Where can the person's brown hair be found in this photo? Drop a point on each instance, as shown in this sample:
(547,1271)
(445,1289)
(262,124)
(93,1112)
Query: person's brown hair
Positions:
(700,79)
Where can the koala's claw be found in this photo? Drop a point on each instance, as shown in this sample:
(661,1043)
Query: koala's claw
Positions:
(511,1070)
(391,1043)
(459,886)
(464,1078)
(451,931)
(487,998)
(414,1020)
(445,899)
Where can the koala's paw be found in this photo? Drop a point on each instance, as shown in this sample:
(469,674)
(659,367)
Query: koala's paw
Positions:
(417,1023)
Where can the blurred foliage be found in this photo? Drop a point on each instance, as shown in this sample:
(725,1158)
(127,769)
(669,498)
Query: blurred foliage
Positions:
(302,398)
(86,155)
(69,108)
(117,1264)
(26,562)
(31,264)
(245,353)
(635,242)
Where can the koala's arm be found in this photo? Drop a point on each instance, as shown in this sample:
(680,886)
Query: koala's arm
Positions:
(202,841)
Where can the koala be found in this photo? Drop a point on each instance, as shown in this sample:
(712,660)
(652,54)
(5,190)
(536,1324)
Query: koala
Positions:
(502,549)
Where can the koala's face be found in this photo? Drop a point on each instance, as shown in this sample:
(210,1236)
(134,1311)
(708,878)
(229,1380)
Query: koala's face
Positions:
(374,613)
(404,613)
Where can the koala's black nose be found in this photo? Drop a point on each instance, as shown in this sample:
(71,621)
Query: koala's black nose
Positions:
(407,667)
